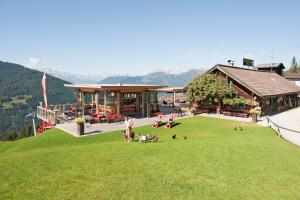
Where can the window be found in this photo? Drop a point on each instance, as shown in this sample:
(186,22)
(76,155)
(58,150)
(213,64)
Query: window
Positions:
(129,96)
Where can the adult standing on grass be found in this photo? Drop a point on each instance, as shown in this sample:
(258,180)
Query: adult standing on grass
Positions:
(128,126)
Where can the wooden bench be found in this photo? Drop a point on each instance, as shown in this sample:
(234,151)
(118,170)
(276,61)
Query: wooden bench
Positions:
(235,113)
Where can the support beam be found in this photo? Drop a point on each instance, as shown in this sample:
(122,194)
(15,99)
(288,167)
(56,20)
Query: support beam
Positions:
(93,98)
(77,99)
(118,102)
(147,105)
(82,101)
(33,125)
(104,102)
(174,98)
(97,101)
(138,103)
(143,104)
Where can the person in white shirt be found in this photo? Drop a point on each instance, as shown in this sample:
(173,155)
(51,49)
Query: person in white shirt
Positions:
(128,126)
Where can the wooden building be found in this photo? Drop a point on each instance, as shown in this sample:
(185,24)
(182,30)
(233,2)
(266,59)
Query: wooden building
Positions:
(293,77)
(271,67)
(124,99)
(272,91)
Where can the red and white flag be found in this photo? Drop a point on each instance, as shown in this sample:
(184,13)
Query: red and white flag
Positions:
(44,91)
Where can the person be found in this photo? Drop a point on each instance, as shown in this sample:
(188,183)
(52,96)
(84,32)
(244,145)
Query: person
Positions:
(170,121)
(128,126)
(158,121)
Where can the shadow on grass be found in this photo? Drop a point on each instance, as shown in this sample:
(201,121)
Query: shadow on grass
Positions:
(165,123)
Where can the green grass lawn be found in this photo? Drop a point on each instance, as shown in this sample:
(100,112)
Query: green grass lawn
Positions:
(215,162)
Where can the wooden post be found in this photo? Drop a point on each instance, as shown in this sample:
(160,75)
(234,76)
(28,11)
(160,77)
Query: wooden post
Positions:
(82,101)
(143,104)
(104,102)
(174,98)
(147,104)
(92,98)
(33,124)
(97,102)
(118,102)
(77,99)
(138,103)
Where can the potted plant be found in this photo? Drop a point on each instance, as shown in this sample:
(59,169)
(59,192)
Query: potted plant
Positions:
(193,111)
(80,125)
(254,114)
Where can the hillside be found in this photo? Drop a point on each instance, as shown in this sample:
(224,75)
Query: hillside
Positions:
(155,78)
(20,93)
(215,162)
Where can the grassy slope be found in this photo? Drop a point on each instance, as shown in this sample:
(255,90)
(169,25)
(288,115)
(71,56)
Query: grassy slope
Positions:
(216,162)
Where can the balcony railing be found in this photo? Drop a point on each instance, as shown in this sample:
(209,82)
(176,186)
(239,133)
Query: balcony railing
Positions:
(46,116)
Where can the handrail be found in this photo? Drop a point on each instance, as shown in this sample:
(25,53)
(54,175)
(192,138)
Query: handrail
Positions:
(46,115)
(279,127)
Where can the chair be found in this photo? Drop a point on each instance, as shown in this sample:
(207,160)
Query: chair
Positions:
(96,117)
(170,122)
(158,121)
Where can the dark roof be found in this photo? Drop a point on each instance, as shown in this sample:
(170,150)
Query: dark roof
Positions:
(291,75)
(270,65)
(261,83)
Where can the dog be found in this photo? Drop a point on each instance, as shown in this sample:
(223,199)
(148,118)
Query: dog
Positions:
(131,134)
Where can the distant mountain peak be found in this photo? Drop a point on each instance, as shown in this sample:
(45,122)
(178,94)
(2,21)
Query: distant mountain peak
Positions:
(70,77)
(160,77)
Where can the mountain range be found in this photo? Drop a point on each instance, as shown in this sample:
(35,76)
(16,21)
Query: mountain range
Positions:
(163,78)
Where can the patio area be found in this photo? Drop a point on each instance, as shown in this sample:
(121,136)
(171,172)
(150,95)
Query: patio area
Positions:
(98,128)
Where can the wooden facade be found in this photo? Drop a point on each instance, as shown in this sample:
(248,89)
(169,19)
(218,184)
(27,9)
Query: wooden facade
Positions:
(272,91)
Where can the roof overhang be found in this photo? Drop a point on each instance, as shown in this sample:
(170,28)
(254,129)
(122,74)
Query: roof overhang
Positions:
(114,87)
(172,89)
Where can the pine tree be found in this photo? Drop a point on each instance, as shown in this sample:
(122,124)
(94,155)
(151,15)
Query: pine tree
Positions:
(294,65)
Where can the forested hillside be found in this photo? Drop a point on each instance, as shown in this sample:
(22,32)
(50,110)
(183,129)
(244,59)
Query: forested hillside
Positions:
(20,93)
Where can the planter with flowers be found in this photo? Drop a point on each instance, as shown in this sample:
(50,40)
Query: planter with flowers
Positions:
(80,125)
(254,114)
(193,111)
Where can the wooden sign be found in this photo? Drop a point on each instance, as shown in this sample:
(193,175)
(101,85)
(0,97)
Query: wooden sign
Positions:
(248,62)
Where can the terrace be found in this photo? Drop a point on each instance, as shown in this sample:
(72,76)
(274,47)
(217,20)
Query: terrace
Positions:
(103,107)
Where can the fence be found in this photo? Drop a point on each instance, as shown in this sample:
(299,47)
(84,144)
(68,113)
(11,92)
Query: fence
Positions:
(46,115)
(284,132)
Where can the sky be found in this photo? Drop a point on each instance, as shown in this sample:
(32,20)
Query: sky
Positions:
(138,37)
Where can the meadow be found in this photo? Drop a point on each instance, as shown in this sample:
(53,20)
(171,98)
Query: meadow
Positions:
(214,162)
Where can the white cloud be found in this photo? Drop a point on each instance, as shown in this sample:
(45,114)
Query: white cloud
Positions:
(33,62)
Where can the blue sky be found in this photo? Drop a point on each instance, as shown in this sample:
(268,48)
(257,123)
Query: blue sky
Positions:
(137,37)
